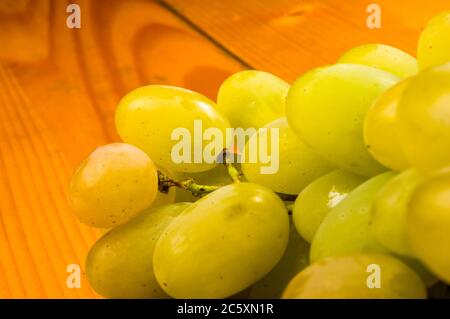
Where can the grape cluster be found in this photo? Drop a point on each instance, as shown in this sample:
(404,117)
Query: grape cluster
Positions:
(364,172)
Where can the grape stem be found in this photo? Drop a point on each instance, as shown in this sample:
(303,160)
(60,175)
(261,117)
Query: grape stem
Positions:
(233,172)
(165,182)
(197,190)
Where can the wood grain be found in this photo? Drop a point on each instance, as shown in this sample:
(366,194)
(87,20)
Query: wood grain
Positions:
(42,236)
(59,88)
(58,91)
(289,37)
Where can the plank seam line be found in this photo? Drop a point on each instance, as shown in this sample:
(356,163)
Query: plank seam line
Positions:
(203,33)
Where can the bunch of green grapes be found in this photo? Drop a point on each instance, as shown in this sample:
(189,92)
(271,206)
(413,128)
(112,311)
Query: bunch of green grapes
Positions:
(358,153)
(129,188)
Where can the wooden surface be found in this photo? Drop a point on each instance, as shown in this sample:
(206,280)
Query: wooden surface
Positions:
(59,88)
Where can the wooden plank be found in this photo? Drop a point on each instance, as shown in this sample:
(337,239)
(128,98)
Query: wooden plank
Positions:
(58,92)
(59,88)
(288,37)
(40,231)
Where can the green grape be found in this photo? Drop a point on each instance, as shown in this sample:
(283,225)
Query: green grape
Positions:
(251,99)
(424,119)
(292,167)
(355,277)
(160,120)
(295,258)
(116,182)
(218,176)
(119,265)
(317,199)
(327,106)
(428,223)
(434,44)
(345,230)
(383,57)
(223,243)
(389,212)
(380,129)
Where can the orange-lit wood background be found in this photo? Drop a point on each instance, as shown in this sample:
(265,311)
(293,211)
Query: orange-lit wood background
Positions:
(59,88)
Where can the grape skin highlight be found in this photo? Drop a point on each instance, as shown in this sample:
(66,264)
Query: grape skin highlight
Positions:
(315,202)
(345,230)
